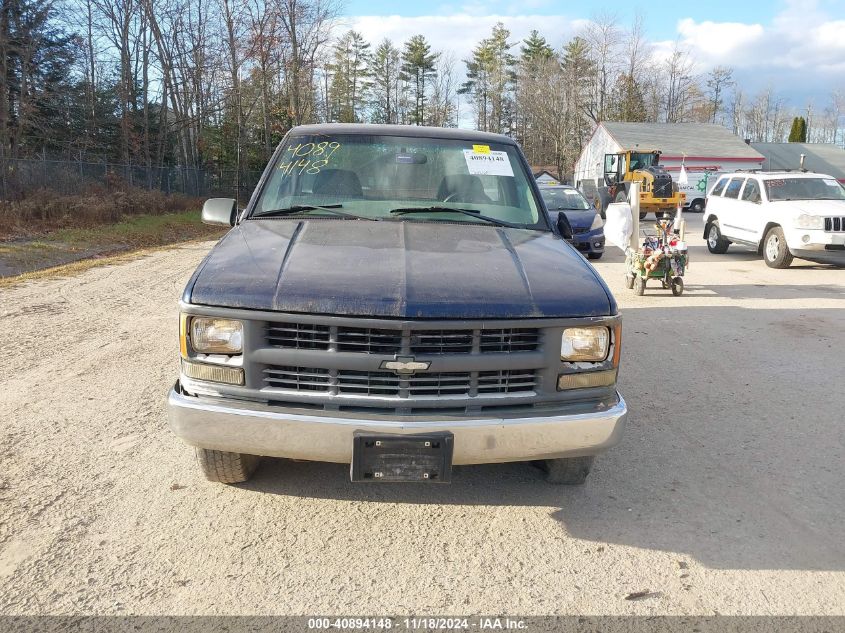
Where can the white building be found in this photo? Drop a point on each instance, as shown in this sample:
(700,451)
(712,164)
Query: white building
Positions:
(705,150)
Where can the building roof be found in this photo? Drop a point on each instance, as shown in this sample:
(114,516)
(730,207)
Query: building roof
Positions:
(820,157)
(693,140)
(418,131)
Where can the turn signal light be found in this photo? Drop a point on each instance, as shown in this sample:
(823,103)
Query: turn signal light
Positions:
(585,380)
(213,373)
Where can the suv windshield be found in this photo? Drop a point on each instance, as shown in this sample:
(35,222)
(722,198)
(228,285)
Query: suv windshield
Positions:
(558,198)
(385,177)
(804,189)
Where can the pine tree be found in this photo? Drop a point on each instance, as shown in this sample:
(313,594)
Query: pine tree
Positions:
(535,49)
(350,77)
(385,68)
(491,80)
(798,132)
(418,66)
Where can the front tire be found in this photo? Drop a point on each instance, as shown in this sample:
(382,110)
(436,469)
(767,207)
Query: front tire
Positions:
(594,255)
(697,206)
(776,252)
(677,286)
(716,243)
(225,467)
(569,471)
(639,286)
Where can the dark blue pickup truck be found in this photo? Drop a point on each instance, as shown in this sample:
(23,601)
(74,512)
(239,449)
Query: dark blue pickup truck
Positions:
(396,298)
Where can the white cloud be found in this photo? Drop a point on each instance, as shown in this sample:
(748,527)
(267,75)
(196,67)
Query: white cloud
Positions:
(799,53)
(462,31)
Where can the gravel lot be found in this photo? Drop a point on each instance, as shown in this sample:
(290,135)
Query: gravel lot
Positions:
(725,497)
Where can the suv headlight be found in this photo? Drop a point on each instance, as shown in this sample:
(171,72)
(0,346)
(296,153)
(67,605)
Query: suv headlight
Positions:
(807,221)
(216,336)
(597,223)
(588,344)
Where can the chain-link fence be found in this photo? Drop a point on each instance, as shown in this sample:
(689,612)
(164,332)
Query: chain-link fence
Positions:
(22,176)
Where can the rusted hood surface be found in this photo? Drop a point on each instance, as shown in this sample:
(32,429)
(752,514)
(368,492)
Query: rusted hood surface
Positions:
(398,269)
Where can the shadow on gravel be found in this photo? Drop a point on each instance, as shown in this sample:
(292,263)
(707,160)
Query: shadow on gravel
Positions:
(733,452)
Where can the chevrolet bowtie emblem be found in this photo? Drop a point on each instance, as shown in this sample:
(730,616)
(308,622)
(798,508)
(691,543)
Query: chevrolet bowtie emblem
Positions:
(405,365)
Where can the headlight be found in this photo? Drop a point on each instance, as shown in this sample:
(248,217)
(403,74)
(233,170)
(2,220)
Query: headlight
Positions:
(589,344)
(597,223)
(216,336)
(807,221)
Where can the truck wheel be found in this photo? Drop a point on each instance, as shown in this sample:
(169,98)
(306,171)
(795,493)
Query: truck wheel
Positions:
(775,250)
(677,286)
(697,206)
(225,467)
(594,255)
(639,286)
(716,244)
(569,470)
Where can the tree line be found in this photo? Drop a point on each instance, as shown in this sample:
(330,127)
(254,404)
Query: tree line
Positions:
(217,83)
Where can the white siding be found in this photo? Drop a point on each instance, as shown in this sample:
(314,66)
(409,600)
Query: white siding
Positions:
(590,165)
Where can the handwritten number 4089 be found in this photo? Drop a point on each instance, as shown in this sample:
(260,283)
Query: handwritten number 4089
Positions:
(312,157)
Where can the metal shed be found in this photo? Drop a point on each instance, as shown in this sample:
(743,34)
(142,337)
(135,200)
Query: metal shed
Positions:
(824,158)
(706,151)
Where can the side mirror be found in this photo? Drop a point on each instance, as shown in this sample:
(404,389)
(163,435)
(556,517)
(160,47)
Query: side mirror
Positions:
(564,228)
(222,211)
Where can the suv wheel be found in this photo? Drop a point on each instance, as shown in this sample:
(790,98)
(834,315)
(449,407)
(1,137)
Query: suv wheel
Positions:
(570,471)
(775,250)
(715,242)
(225,467)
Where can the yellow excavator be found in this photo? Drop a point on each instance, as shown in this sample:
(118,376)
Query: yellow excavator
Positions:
(659,193)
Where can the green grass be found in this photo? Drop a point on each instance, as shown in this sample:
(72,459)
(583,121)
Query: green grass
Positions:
(139,231)
(64,246)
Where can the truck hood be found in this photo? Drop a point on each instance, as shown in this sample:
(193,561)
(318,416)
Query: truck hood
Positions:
(398,269)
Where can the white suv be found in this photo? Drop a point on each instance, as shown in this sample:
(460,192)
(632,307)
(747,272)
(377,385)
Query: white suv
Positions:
(779,214)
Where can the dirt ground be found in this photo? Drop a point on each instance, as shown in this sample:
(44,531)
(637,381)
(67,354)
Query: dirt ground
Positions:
(724,497)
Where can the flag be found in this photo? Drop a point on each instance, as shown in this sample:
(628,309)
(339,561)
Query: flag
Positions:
(682,179)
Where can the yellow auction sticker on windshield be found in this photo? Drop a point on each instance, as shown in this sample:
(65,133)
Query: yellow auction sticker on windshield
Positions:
(489,164)
(481,149)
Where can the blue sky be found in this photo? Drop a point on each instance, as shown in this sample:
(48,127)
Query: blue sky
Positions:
(796,47)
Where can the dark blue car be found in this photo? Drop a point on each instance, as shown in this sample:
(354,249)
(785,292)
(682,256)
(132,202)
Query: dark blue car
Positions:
(587,225)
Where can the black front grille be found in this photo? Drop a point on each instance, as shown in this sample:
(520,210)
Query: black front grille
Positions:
(369,341)
(834,225)
(388,384)
(393,342)
(297,378)
(506,381)
(441,342)
(298,335)
(509,340)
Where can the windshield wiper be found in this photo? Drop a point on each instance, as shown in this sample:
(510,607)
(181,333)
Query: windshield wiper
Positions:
(302,208)
(473,213)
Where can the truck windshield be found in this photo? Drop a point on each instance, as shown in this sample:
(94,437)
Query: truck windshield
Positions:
(804,189)
(370,176)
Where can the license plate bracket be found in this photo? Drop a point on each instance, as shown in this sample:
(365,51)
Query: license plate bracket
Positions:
(424,457)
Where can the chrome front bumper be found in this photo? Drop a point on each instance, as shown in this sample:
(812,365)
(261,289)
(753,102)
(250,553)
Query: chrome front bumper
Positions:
(257,429)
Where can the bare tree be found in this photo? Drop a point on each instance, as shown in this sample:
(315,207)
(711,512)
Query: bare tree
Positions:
(602,35)
(718,80)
